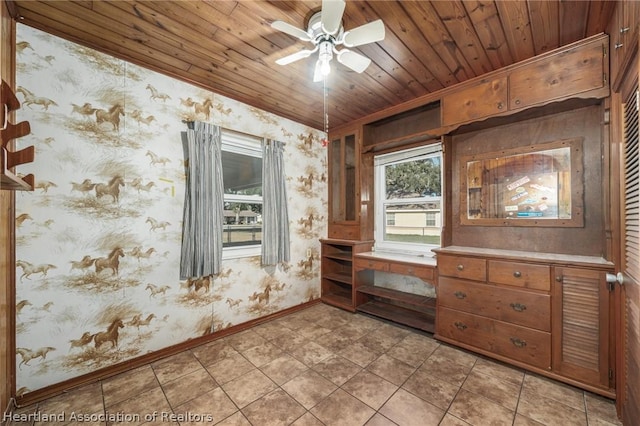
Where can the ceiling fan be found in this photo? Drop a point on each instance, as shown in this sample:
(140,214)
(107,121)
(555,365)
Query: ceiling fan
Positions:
(325,31)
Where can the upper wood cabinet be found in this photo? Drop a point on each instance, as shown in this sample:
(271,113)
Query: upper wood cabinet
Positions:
(345,187)
(486,98)
(579,70)
(624,30)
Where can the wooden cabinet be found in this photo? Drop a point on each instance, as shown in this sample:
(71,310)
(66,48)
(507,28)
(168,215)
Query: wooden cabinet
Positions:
(485,98)
(572,72)
(337,281)
(581,338)
(413,308)
(546,313)
(578,70)
(624,30)
(346,220)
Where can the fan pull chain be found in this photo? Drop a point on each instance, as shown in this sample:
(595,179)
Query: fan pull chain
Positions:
(325,102)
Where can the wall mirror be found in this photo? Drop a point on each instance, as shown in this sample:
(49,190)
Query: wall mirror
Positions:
(539,185)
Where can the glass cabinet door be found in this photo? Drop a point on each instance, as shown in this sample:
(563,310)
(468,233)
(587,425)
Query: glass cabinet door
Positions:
(343,177)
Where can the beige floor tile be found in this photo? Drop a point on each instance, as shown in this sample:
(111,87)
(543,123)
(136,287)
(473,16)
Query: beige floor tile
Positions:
(283,369)
(600,408)
(337,369)
(407,409)
(504,393)
(271,330)
(140,408)
(311,353)
(342,409)
(547,388)
(290,341)
(212,407)
(359,354)
(371,389)
(449,420)
(380,341)
(521,420)
(262,354)
(84,400)
(445,369)
(214,352)
(456,355)
(230,368)
(414,349)
(380,420)
(432,389)
(309,388)
(248,387)
(499,371)
(313,331)
(245,340)
(171,368)
(237,419)
(478,410)
(334,341)
(391,369)
(125,385)
(549,411)
(307,419)
(274,409)
(189,386)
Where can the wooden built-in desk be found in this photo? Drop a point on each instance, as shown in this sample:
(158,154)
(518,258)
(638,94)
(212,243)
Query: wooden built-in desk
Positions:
(414,310)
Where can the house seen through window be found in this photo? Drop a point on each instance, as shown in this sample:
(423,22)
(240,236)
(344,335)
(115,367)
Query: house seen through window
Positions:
(408,187)
(242,177)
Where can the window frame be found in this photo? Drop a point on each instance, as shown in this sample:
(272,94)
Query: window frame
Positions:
(431,150)
(249,145)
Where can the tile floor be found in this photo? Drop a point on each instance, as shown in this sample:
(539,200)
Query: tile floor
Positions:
(325,366)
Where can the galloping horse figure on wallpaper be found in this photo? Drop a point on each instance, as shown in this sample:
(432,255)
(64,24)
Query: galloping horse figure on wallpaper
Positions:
(112,116)
(111,335)
(112,188)
(110,262)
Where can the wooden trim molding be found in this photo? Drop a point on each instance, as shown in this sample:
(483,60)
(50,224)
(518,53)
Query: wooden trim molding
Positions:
(131,364)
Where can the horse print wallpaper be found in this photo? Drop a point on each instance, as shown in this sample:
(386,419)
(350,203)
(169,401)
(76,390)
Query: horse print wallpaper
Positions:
(98,240)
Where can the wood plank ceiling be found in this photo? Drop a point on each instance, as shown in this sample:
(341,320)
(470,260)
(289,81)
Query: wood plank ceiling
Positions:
(229,47)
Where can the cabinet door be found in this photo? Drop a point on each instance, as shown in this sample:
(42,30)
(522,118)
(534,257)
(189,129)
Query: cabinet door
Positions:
(343,175)
(478,101)
(581,335)
(567,73)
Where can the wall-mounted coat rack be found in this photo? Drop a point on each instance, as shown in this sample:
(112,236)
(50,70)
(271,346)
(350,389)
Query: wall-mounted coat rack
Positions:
(9,131)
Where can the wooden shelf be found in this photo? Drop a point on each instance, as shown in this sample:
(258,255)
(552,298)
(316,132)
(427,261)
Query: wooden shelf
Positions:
(340,300)
(422,302)
(339,276)
(339,256)
(416,319)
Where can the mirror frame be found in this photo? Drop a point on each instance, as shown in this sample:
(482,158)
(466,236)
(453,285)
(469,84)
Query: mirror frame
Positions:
(576,192)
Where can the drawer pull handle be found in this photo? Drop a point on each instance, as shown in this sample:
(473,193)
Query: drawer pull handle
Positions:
(518,307)
(517,342)
(517,274)
(460,295)
(460,267)
(460,326)
(410,271)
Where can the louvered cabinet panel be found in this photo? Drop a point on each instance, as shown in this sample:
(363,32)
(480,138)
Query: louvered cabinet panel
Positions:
(581,302)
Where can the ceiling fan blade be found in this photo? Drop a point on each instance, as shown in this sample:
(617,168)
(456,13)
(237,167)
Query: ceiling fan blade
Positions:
(295,56)
(353,60)
(367,33)
(291,30)
(332,11)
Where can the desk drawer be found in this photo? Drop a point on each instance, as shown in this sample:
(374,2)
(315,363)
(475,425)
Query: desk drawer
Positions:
(470,268)
(519,343)
(376,265)
(520,274)
(425,273)
(510,305)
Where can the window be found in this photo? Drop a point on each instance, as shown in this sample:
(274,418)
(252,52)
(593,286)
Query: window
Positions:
(242,177)
(409,186)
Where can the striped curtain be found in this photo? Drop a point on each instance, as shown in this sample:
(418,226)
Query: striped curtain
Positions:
(275,217)
(204,202)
